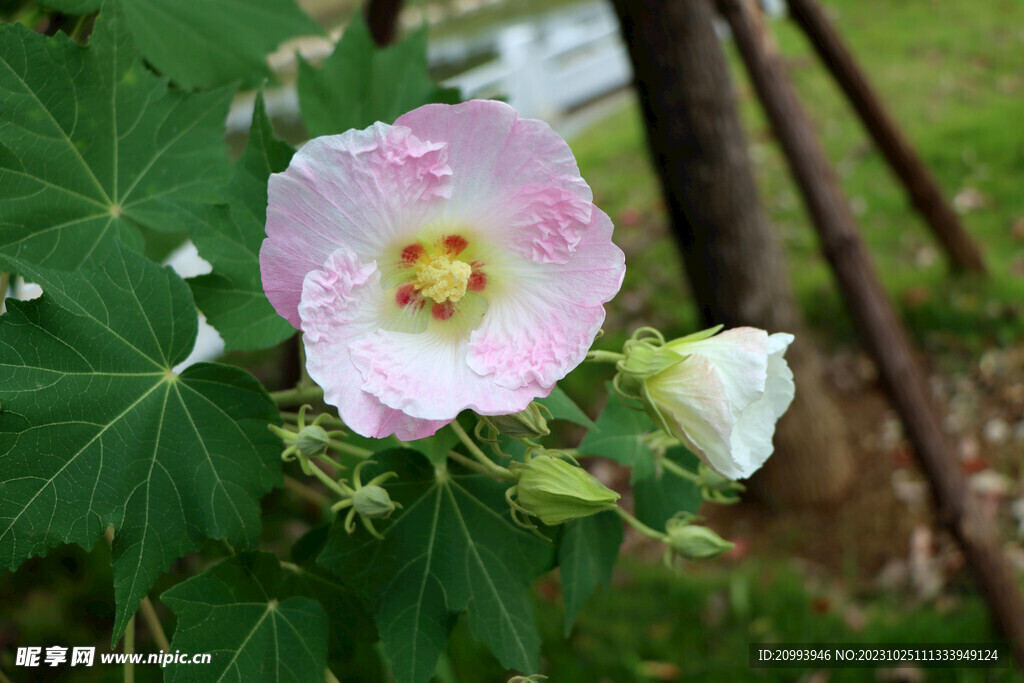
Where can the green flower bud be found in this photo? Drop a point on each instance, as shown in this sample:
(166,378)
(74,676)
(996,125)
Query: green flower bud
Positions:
(527,424)
(693,542)
(312,441)
(373,502)
(557,491)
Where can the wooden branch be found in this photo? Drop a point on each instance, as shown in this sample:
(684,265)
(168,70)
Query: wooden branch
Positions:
(961,250)
(876,319)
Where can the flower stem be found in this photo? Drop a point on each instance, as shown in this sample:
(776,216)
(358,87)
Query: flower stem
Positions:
(297,396)
(129,649)
(474,450)
(306,492)
(640,526)
(355,451)
(471,464)
(328,482)
(598,356)
(153,624)
(679,471)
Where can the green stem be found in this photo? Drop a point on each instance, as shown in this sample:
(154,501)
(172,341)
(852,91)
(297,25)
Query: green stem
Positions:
(328,482)
(306,492)
(474,450)
(640,526)
(153,624)
(469,463)
(129,649)
(329,676)
(598,356)
(356,451)
(297,396)
(680,471)
(3,678)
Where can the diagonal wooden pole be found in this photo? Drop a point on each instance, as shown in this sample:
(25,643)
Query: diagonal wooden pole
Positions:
(881,330)
(961,250)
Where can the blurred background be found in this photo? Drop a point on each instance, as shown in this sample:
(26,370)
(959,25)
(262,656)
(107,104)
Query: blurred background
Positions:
(851,552)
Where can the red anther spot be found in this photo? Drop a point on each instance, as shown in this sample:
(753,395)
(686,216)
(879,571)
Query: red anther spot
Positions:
(477,281)
(442,311)
(410,255)
(454,244)
(406,295)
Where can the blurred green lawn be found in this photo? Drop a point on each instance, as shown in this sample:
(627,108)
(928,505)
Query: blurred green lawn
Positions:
(951,74)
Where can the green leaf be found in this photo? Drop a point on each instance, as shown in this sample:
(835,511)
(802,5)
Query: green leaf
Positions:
(203,44)
(350,624)
(229,237)
(619,433)
(564,408)
(73,6)
(586,556)
(236,611)
(360,83)
(93,145)
(662,494)
(453,548)
(97,430)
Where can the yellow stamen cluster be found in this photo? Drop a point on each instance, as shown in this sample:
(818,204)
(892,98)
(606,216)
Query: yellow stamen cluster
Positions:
(442,279)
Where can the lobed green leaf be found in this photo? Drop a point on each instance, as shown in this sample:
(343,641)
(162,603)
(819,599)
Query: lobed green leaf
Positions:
(239,613)
(360,83)
(98,430)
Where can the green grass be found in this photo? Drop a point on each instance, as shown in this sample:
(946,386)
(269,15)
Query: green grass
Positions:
(949,73)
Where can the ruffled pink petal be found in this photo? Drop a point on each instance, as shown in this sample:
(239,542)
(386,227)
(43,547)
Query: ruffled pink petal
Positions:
(360,190)
(543,327)
(426,375)
(514,179)
(340,305)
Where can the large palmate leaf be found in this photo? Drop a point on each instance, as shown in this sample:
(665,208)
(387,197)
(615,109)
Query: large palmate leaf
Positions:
(238,613)
(93,145)
(97,430)
(229,237)
(586,556)
(453,548)
(360,83)
(203,44)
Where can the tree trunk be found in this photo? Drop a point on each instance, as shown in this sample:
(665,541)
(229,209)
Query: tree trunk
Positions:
(382,19)
(733,261)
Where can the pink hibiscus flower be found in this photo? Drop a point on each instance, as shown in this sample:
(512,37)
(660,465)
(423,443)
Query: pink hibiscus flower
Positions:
(451,261)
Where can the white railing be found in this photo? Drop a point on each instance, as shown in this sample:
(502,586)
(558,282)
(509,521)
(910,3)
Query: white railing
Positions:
(549,68)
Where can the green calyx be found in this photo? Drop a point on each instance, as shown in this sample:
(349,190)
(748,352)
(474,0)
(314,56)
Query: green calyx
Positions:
(531,423)
(693,542)
(373,502)
(556,491)
(369,501)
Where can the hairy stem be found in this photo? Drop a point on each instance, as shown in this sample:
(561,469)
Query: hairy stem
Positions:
(296,396)
(598,356)
(474,450)
(640,526)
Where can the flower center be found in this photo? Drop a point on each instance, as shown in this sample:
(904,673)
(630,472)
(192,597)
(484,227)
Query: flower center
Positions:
(442,279)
